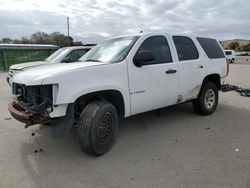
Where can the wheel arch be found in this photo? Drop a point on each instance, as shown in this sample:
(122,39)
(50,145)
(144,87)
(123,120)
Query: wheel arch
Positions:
(115,97)
(215,78)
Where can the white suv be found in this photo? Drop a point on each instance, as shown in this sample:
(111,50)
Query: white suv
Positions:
(230,54)
(120,77)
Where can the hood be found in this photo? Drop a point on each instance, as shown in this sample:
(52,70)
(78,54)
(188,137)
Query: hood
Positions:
(36,75)
(22,66)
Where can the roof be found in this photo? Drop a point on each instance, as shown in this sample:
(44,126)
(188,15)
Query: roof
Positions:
(79,47)
(164,33)
(28,46)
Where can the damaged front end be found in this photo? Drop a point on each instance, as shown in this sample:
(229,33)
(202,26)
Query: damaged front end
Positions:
(33,103)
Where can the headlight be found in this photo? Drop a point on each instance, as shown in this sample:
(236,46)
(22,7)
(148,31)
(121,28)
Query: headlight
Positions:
(11,72)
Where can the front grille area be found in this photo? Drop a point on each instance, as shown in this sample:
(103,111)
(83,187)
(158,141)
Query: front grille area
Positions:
(35,99)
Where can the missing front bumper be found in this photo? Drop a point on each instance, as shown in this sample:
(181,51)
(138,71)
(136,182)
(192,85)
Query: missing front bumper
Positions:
(63,124)
(20,114)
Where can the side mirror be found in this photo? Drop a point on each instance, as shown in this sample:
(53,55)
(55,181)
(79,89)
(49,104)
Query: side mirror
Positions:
(144,57)
(66,60)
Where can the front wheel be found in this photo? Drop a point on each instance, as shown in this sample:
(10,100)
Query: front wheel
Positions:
(98,127)
(207,100)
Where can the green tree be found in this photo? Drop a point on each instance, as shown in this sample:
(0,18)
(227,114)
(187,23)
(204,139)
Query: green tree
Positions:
(61,40)
(55,38)
(246,48)
(23,40)
(7,40)
(40,38)
(234,46)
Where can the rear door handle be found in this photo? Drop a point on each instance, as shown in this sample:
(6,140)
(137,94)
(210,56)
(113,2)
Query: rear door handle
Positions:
(171,71)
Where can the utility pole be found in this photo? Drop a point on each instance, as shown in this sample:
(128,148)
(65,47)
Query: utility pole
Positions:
(68,25)
(68,30)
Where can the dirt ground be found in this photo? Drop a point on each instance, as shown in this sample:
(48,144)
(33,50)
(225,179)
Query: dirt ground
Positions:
(177,149)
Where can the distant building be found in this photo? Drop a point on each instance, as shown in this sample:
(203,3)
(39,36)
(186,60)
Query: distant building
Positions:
(242,42)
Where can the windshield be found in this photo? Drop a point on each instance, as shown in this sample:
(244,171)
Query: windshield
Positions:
(57,55)
(113,50)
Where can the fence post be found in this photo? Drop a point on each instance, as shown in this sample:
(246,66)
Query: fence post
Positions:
(1,60)
(5,61)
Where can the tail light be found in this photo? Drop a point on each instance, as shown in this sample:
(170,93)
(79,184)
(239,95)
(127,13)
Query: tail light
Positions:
(227,62)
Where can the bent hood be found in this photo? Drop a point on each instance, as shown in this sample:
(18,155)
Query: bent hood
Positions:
(22,66)
(36,75)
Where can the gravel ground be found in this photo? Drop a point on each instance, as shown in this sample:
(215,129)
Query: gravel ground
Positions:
(177,149)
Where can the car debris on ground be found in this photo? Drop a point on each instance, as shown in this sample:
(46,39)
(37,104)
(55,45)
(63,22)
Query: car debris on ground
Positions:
(240,90)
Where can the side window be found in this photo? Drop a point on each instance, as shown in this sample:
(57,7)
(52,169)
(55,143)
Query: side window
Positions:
(185,48)
(160,48)
(76,54)
(211,47)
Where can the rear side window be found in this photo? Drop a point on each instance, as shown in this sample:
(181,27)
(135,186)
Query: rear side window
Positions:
(160,48)
(211,47)
(186,48)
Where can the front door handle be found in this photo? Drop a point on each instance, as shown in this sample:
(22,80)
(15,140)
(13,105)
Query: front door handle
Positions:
(171,71)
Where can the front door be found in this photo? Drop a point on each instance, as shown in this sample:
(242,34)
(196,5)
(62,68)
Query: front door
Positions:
(154,85)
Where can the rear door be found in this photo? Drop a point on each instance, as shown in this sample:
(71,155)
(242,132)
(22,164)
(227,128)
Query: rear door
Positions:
(190,67)
(154,85)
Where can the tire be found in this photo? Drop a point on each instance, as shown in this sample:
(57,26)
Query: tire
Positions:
(98,127)
(207,100)
(232,60)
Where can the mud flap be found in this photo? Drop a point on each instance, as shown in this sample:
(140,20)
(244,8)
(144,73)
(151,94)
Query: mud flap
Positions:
(64,124)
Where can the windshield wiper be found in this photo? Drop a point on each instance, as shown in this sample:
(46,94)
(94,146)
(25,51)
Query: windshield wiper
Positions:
(94,60)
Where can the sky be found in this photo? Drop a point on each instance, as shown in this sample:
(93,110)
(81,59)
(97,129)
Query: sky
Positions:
(92,21)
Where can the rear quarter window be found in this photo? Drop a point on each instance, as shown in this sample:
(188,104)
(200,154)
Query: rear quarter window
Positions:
(211,48)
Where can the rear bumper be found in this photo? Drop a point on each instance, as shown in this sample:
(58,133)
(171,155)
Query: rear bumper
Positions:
(23,116)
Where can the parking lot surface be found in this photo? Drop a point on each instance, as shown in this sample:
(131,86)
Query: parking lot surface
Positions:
(176,149)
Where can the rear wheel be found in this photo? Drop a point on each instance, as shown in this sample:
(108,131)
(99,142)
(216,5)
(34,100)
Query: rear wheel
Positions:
(207,100)
(98,127)
(232,60)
